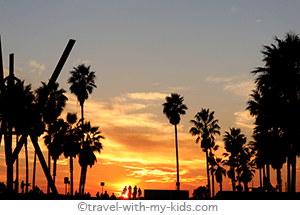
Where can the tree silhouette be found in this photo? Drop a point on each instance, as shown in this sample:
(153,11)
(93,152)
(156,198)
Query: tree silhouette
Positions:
(220,171)
(278,85)
(91,144)
(233,142)
(82,82)
(54,105)
(246,165)
(173,108)
(205,128)
(71,146)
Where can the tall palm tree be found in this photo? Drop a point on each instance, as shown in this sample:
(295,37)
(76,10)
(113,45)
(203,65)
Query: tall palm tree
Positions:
(90,145)
(278,84)
(205,128)
(82,82)
(173,108)
(54,105)
(72,143)
(233,142)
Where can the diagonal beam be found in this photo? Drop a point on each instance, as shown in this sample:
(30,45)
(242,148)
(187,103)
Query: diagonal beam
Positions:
(61,63)
(18,148)
(43,163)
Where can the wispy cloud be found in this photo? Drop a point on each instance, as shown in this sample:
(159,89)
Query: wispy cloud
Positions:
(241,89)
(259,21)
(78,62)
(234,9)
(217,79)
(147,96)
(244,119)
(37,66)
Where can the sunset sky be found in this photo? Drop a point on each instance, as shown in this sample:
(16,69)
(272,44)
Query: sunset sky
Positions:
(142,51)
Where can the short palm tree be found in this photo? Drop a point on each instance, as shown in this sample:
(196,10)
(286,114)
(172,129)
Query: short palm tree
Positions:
(91,144)
(82,82)
(54,105)
(173,108)
(220,171)
(205,128)
(71,147)
(234,142)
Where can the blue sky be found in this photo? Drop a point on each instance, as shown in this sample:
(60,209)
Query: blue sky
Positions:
(141,52)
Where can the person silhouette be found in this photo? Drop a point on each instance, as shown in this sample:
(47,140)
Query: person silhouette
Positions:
(22,186)
(140,192)
(134,192)
(113,197)
(129,192)
(105,196)
(98,195)
(124,190)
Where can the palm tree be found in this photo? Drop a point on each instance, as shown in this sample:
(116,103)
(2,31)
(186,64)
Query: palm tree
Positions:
(173,108)
(82,82)
(90,145)
(245,168)
(278,84)
(54,105)
(72,143)
(233,142)
(220,171)
(205,128)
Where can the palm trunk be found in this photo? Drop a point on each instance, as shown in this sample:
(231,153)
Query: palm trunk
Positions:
(213,184)
(233,180)
(246,188)
(260,175)
(83,178)
(49,166)
(80,182)
(8,159)
(268,176)
(177,162)
(26,157)
(34,170)
(71,174)
(207,171)
(54,170)
(17,175)
(279,182)
(293,183)
(288,174)
(220,186)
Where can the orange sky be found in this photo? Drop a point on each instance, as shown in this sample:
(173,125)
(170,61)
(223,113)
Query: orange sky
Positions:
(139,149)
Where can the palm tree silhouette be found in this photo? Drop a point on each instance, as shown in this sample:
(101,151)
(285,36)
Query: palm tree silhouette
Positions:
(205,128)
(278,84)
(54,105)
(246,165)
(91,144)
(213,164)
(173,108)
(82,82)
(234,142)
(220,171)
(71,146)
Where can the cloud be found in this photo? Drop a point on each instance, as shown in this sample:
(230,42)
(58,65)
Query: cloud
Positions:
(259,21)
(217,79)
(244,119)
(78,62)
(37,66)
(234,9)
(147,96)
(241,89)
